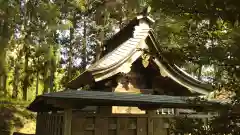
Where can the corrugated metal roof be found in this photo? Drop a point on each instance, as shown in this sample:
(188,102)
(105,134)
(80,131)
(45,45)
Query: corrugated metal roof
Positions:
(98,98)
(118,96)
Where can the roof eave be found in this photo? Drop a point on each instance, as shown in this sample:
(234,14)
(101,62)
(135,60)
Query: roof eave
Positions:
(83,79)
(79,99)
(191,81)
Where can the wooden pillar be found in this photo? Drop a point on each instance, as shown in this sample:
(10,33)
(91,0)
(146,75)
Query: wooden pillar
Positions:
(38,124)
(67,122)
(150,113)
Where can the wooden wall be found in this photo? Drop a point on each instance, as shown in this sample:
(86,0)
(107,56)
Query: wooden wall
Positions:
(111,124)
(52,124)
(118,125)
(49,124)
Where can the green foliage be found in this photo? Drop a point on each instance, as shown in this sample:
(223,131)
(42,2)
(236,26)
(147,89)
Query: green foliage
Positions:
(225,124)
(9,101)
(202,34)
(200,39)
(14,117)
(80,4)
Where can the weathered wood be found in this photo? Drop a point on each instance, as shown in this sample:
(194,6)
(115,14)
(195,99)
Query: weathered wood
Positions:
(112,124)
(132,123)
(89,124)
(67,121)
(142,126)
(144,115)
(45,123)
(101,126)
(56,125)
(78,125)
(105,110)
(158,127)
(150,125)
(105,126)
(62,125)
(38,124)
(151,112)
(83,123)
(89,133)
(58,104)
(17,133)
(50,124)
(112,132)
(122,126)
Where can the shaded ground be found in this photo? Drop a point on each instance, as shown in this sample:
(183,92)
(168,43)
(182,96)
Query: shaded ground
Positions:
(15,118)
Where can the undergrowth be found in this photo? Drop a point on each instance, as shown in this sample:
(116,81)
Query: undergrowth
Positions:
(14,116)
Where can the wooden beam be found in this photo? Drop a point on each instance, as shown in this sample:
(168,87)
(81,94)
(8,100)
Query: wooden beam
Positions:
(59,103)
(151,112)
(67,121)
(105,110)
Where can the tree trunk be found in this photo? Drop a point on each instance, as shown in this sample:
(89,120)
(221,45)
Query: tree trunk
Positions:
(25,86)
(1,85)
(51,78)
(99,48)
(16,78)
(15,81)
(70,53)
(5,84)
(84,50)
(101,22)
(6,34)
(37,82)
(4,75)
(51,82)
(46,78)
(27,74)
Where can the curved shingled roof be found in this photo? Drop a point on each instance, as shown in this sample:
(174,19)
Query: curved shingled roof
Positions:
(175,72)
(127,52)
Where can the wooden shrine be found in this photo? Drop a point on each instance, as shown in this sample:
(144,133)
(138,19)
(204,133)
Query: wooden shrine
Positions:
(124,96)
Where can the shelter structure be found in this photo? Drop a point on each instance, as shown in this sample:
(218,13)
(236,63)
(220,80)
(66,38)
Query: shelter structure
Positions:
(124,95)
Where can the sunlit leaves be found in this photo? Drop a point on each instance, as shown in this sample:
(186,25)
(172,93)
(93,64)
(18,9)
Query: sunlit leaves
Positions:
(80,4)
(65,25)
(47,11)
(209,38)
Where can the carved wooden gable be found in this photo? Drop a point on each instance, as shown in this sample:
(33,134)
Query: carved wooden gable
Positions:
(123,59)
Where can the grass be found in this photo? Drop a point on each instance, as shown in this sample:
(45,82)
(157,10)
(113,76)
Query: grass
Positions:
(15,117)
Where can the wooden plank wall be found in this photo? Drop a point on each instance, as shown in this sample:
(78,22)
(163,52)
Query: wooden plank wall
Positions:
(49,124)
(124,125)
(112,124)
